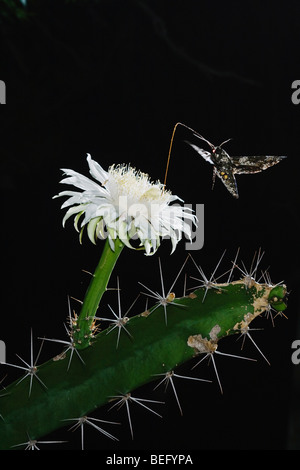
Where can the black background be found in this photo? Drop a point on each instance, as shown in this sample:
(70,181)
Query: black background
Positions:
(112,78)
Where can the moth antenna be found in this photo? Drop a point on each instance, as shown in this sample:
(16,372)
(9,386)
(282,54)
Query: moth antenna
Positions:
(205,140)
(225,141)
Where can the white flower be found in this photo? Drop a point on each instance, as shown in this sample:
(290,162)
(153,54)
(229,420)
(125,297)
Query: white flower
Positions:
(127,205)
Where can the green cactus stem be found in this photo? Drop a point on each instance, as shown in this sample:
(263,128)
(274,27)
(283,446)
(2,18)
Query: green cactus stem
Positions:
(151,348)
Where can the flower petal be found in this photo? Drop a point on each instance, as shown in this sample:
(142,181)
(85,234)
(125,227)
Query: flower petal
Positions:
(72,211)
(97,171)
(91,229)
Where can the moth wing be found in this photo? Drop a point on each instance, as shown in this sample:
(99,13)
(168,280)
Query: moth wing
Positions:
(204,154)
(229,182)
(254,164)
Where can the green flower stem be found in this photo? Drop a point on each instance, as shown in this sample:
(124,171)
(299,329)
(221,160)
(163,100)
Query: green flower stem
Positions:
(83,326)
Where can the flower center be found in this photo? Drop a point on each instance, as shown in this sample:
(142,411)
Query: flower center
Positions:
(137,185)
